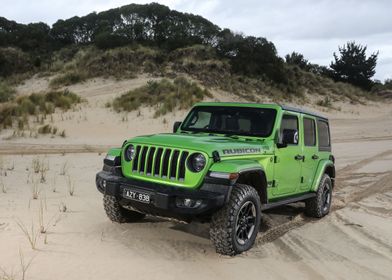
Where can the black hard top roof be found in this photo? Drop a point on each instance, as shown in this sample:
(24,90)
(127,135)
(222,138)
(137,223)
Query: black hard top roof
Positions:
(284,107)
(298,110)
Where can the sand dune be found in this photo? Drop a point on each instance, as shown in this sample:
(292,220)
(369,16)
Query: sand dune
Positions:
(353,242)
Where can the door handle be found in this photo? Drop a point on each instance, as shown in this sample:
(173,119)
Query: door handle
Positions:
(314,157)
(299,157)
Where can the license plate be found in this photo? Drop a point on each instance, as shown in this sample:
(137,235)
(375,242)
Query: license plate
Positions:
(138,196)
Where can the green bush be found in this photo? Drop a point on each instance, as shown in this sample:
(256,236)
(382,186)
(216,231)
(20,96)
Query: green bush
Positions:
(165,95)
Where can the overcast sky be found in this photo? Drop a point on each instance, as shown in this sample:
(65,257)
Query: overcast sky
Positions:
(314,28)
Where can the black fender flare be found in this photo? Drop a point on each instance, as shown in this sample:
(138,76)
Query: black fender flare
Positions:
(256,178)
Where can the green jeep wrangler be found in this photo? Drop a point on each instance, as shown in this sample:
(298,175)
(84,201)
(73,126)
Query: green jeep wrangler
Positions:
(224,164)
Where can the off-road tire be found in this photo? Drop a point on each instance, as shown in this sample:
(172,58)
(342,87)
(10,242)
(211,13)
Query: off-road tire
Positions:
(118,214)
(223,222)
(316,206)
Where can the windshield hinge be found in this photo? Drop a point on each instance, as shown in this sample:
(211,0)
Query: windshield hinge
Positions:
(216,156)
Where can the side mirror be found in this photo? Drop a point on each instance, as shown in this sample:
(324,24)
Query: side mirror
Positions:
(288,137)
(176,126)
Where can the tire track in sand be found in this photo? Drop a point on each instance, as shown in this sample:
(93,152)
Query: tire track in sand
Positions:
(379,186)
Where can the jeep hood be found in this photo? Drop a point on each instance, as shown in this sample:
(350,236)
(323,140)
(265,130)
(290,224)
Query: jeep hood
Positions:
(226,146)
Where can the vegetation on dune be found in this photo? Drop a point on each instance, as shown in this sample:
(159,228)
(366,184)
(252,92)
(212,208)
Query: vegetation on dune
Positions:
(67,79)
(164,95)
(19,109)
(47,129)
(153,39)
(383,90)
(6,91)
(13,60)
(89,62)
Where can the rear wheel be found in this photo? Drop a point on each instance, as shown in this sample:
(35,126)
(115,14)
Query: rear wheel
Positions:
(234,228)
(320,205)
(116,213)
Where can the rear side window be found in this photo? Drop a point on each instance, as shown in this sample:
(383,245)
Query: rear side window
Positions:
(323,135)
(289,122)
(309,132)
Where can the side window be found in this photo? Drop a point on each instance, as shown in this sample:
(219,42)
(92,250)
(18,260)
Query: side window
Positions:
(290,126)
(309,132)
(201,120)
(323,135)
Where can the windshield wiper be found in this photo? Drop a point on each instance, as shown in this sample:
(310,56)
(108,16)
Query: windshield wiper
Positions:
(231,135)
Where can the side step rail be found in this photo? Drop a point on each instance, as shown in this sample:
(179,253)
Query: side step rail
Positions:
(287,200)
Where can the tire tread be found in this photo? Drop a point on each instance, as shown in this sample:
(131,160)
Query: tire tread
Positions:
(314,205)
(116,213)
(223,221)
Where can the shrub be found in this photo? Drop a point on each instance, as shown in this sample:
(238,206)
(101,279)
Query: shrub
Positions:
(68,78)
(326,102)
(62,99)
(6,92)
(164,94)
(13,61)
(46,129)
(35,104)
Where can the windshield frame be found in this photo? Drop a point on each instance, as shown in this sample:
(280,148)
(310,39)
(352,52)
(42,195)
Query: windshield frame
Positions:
(228,133)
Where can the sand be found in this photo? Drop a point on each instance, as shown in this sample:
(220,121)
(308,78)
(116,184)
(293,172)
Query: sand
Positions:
(353,242)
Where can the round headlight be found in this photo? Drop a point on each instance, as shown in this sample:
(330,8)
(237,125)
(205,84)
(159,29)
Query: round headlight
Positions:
(197,162)
(129,152)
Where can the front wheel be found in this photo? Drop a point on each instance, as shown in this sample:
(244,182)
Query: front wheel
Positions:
(234,228)
(116,213)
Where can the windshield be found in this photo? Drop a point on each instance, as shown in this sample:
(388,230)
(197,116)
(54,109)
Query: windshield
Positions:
(231,120)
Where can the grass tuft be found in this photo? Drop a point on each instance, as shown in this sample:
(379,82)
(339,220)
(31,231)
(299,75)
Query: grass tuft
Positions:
(35,190)
(31,234)
(64,168)
(3,186)
(71,185)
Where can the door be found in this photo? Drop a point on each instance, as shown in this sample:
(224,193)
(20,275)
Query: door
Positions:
(310,152)
(287,167)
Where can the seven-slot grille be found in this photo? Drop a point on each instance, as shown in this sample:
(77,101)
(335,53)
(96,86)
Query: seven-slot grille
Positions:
(160,162)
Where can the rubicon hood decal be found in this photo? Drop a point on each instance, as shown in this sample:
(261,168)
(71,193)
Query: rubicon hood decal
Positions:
(236,151)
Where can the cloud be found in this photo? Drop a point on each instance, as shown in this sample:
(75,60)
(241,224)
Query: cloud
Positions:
(313,27)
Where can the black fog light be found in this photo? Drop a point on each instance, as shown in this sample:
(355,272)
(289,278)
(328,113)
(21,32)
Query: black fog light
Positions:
(188,202)
(103,184)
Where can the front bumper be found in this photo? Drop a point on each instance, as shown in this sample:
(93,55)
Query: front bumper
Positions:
(212,193)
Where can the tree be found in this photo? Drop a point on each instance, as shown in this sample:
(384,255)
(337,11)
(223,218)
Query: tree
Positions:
(297,59)
(250,55)
(353,66)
